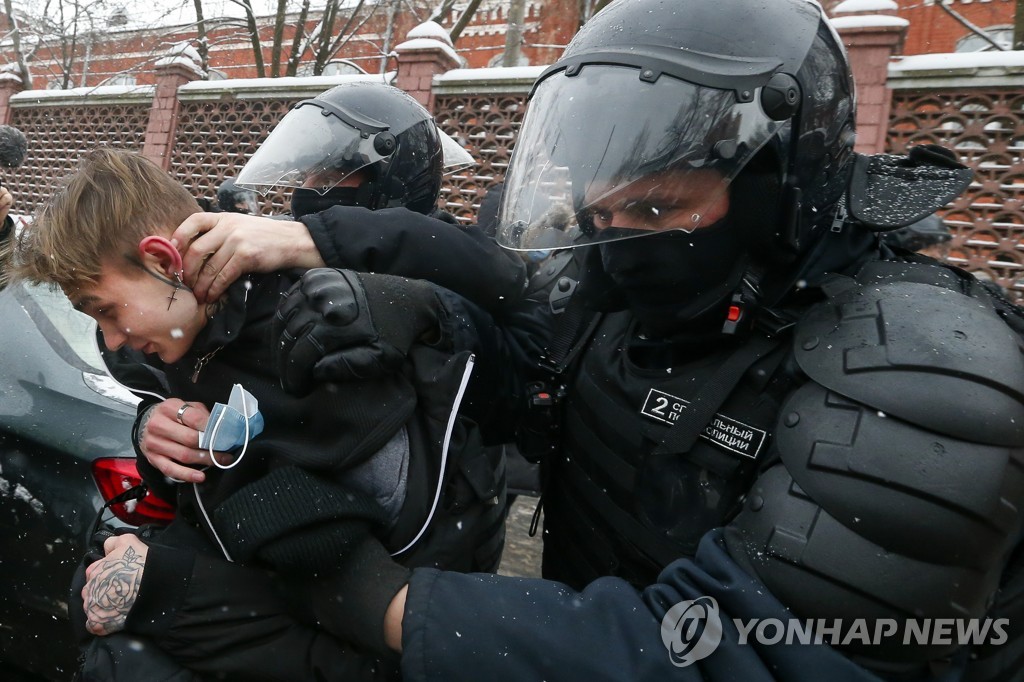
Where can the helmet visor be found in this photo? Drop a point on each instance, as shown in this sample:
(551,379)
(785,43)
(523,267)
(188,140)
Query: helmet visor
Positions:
(456,157)
(310,148)
(603,156)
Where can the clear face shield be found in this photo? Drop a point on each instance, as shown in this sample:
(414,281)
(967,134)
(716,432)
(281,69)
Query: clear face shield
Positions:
(456,157)
(605,156)
(317,145)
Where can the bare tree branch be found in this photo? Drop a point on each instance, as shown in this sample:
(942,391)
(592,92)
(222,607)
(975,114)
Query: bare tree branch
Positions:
(1018,26)
(275,50)
(26,76)
(203,47)
(969,26)
(323,41)
(514,33)
(347,31)
(388,35)
(254,36)
(463,21)
(298,44)
(442,11)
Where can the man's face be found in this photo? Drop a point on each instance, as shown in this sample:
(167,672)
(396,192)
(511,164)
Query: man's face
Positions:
(134,308)
(668,200)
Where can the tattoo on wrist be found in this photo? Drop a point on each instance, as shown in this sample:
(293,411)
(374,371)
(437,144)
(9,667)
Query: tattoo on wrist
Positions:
(112,592)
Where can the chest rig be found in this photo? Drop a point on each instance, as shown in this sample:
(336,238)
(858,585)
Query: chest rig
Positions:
(652,458)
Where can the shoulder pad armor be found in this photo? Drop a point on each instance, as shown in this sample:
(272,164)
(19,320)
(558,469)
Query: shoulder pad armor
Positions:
(927,355)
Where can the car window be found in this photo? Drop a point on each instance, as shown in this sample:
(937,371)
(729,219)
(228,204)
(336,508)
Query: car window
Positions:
(77,330)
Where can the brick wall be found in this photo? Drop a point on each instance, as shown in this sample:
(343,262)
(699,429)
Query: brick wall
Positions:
(932,30)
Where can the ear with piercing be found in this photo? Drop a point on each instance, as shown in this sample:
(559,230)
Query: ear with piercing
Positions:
(169,261)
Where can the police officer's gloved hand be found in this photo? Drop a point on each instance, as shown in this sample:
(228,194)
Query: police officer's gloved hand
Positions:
(337,325)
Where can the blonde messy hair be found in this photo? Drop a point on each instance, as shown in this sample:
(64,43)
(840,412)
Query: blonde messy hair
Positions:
(99,215)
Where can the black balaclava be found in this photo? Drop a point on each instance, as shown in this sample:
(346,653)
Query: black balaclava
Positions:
(307,201)
(670,280)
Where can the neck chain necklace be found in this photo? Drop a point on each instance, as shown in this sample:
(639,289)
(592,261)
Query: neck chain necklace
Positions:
(201,362)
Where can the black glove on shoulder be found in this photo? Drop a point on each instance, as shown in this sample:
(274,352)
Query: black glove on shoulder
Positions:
(338,325)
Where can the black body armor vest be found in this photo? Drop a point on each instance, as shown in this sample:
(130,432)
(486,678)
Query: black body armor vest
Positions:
(613,506)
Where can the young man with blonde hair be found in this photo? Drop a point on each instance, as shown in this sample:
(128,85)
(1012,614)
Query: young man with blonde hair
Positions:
(383,457)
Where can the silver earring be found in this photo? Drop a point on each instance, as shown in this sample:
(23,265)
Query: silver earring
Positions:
(178,284)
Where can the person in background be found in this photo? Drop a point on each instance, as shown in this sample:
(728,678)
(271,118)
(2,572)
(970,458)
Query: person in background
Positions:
(7,237)
(234,199)
(383,455)
(928,236)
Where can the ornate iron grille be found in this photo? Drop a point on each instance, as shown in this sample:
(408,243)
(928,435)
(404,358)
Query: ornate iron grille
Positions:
(214,139)
(58,135)
(987,132)
(487,126)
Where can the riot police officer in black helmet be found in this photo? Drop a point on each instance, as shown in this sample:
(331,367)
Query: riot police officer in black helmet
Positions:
(772,454)
(234,199)
(364,162)
(372,131)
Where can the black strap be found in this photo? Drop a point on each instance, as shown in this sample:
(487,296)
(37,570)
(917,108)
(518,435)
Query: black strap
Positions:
(699,413)
(566,338)
(136,492)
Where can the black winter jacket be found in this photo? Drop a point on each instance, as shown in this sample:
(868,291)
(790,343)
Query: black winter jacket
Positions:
(329,431)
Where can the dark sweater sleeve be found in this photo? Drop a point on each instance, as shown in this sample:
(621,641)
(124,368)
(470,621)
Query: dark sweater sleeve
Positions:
(487,627)
(397,241)
(224,619)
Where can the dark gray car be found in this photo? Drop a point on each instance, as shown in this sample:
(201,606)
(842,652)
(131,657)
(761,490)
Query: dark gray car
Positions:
(64,447)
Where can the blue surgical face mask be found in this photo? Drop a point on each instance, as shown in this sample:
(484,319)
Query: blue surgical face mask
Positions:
(232,426)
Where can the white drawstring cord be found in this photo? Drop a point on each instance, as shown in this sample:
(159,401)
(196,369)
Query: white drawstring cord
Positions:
(444,454)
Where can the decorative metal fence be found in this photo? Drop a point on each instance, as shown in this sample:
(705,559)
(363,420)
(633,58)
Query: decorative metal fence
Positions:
(976,110)
(979,113)
(59,128)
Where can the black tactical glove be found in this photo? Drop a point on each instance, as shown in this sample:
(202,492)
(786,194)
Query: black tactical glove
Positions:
(336,325)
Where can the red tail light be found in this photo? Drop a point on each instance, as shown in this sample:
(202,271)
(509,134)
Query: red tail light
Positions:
(114,475)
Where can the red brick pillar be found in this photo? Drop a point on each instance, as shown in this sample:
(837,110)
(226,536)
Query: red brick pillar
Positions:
(872,36)
(426,52)
(171,74)
(10,84)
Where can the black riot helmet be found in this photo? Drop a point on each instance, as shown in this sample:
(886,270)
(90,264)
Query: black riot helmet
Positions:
(361,126)
(234,199)
(667,111)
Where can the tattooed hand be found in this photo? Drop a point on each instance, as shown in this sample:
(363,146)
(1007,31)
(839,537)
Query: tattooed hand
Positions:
(112,584)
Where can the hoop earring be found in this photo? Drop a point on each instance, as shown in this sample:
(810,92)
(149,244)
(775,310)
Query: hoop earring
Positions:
(178,284)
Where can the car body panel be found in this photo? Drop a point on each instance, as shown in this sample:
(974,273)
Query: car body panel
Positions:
(59,411)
